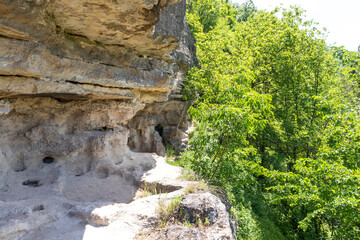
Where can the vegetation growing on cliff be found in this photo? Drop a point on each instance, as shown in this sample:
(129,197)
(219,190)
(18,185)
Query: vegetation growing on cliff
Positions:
(277,121)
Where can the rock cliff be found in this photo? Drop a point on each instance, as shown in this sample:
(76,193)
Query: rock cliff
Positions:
(77,80)
(89,89)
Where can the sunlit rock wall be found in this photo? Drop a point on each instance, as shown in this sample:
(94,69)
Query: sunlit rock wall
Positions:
(86,81)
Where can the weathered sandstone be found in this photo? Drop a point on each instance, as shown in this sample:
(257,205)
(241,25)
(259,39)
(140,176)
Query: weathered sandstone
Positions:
(76,77)
(89,90)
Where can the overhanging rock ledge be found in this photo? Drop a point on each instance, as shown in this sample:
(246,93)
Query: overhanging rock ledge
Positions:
(85,82)
(89,92)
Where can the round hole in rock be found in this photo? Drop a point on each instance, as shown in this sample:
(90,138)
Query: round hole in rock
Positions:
(38,208)
(19,168)
(48,160)
(18,165)
(102,173)
(32,183)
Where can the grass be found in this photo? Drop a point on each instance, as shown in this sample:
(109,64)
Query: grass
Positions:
(175,159)
(202,223)
(188,174)
(196,187)
(170,153)
(146,191)
(168,214)
(168,211)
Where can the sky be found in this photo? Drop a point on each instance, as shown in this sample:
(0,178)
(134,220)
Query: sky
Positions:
(341,18)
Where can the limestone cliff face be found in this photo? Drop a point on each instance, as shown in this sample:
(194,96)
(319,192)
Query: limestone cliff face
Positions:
(89,90)
(85,82)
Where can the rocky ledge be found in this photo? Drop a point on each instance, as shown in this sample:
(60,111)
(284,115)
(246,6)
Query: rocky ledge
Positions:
(46,202)
(84,82)
(89,89)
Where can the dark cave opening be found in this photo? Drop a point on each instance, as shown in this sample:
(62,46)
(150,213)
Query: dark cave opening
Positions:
(160,130)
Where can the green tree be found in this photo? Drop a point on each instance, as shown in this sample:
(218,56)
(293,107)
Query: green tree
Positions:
(294,67)
(245,10)
(228,110)
(275,108)
(204,15)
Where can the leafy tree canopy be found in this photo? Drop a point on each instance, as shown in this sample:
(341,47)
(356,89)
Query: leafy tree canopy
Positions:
(276,114)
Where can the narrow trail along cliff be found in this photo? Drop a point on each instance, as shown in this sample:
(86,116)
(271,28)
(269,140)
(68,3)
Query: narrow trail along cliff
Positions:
(89,96)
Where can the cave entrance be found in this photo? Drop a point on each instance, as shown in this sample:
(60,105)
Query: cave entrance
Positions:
(160,130)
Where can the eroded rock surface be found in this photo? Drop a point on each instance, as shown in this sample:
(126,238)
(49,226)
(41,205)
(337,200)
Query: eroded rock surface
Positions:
(79,81)
(89,89)
(200,216)
(55,204)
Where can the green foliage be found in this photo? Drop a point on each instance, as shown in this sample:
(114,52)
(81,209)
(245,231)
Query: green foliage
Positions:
(253,215)
(170,154)
(245,10)
(328,192)
(146,191)
(205,15)
(196,187)
(276,115)
(295,68)
(350,62)
(167,211)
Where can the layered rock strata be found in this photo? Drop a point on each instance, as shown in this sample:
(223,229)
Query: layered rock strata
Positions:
(82,81)
(89,90)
